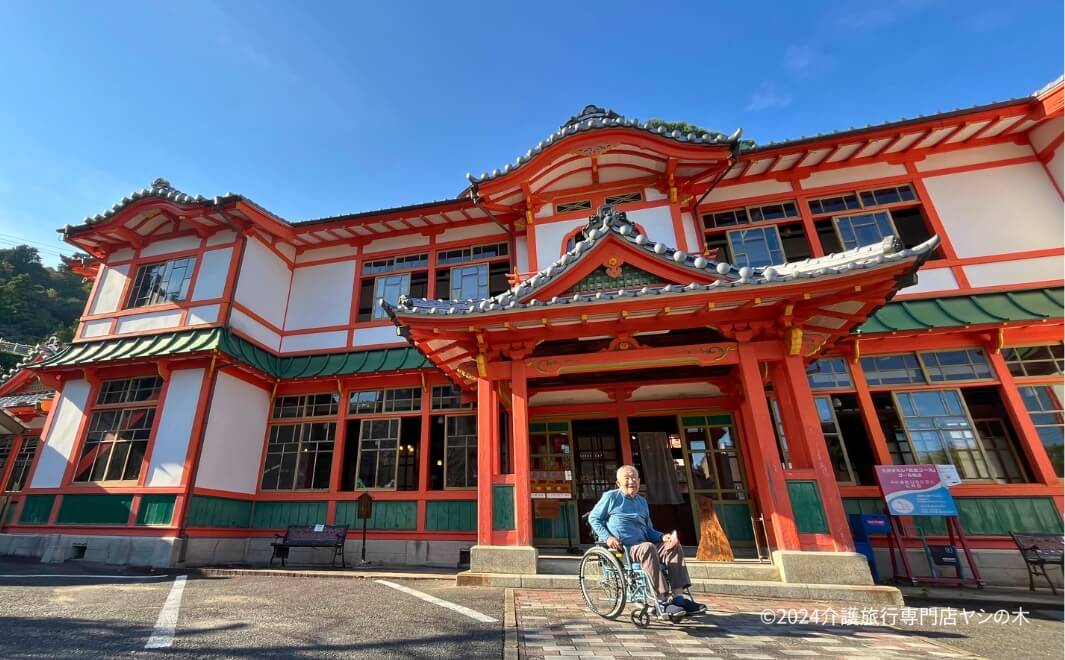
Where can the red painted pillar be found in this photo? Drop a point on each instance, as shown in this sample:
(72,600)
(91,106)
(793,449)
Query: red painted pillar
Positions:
(487,440)
(796,394)
(1042,469)
(520,445)
(768,475)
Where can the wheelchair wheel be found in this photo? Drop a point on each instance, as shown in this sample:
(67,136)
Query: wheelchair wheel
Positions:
(641,618)
(602,582)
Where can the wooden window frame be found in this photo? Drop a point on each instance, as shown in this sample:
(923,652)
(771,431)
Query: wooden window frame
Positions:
(1058,363)
(838,432)
(760,228)
(366,423)
(27,451)
(301,423)
(96,408)
(138,282)
(466,447)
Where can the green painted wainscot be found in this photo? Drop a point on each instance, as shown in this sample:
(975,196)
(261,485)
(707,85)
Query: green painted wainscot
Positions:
(36,509)
(503,516)
(205,511)
(807,507)
(387,514)
(451,516)
(279,515)
(156,510)
(95,510)
(981,516)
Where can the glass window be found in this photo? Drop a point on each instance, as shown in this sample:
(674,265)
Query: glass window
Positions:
(306,405)
(167,281)
(892,369)
(129,390)
(22,464)
(756,247)
(390,288)
(370,402)
(115,445)
(469,282)
(939,431)
(448,397)
(1035,360)
(965,364)
(299,456)
(475,253)
(837,451)
(378,453)
(725,218)
(829,373)
(864,229)
(5,450)
(460,452)
(1044,407)
(834,204)
(406,262)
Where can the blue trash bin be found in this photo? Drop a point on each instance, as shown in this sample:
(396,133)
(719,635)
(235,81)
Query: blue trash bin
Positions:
(863,526)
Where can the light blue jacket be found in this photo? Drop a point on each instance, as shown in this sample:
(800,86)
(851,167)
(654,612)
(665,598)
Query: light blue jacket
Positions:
(625,518)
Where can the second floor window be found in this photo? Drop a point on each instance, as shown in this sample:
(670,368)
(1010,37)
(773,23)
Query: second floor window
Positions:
(119,428)
(756,247)
(864,229)
(166,281)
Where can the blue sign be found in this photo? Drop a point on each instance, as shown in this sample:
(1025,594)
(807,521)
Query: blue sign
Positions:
(915,490)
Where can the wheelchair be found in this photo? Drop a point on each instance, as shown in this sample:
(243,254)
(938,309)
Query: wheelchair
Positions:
(610,578)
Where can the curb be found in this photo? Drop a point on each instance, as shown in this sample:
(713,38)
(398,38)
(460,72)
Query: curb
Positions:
(510,627)
(346,575)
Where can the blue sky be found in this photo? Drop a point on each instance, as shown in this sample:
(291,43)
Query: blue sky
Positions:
(322,108)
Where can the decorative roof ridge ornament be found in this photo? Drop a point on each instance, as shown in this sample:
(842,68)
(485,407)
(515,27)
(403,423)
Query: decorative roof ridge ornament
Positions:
(591,112)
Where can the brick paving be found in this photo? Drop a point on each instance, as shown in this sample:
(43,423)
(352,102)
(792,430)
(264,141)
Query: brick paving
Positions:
(557,624)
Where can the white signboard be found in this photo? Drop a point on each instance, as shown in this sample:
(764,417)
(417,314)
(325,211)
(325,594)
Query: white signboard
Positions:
(948,475)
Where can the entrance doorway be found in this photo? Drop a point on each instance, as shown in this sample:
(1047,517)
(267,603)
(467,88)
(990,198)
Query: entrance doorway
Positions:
(658,452)
(596,457)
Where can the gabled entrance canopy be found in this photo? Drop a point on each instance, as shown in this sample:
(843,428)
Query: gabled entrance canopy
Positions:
(619,284)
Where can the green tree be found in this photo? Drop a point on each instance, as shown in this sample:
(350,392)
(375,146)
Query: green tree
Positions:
(37,301)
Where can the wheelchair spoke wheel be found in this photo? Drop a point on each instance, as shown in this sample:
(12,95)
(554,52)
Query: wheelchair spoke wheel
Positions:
(602,582)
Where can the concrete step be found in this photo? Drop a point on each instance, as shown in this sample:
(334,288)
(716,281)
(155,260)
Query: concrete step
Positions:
(706,570)
(770,589)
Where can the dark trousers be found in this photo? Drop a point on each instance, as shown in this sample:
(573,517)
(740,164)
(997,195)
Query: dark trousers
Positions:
(651,557)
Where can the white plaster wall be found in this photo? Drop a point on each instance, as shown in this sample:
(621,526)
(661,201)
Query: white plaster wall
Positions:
(396,243)
(218,238)
(385,334)
(202,314)
(125,254)
(149,321)
(1057,167)
(95,328)
(521,259)
(486,230)
(657,222)
(321,296)
(264,282)
(1044,133)
(848,174)
(933,279)
(170,245)
(233,443)
(549,240)
(973,156)
(288,250)
(70,408)
(333,252)
(109,291)
(724,193)
(691,233)
(315,341)
(653,195)
(240,321)
(167,462)
(1016,272)
(998,210)
(211,280)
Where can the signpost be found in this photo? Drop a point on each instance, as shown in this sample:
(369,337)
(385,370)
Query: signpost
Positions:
(924,490)
(364,513)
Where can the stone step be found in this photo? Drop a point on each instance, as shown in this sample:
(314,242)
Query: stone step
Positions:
(707,570)
(828,593)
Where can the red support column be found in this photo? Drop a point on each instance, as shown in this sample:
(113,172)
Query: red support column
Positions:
(768,475)
(487,440)
(520,446)
(1042,469)
(806,430)
(869,416)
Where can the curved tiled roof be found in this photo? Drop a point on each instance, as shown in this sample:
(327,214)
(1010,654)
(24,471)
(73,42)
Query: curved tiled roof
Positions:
(594,118)
(964,311)
(610,222)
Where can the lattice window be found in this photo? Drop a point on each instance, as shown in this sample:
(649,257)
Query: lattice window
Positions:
(570,207)
(166,281)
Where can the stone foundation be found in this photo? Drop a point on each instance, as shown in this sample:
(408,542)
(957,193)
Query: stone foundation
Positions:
(807,567)
(156,552)
(519,560)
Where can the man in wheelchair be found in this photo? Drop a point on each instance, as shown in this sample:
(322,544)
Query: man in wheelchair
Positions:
(621,519)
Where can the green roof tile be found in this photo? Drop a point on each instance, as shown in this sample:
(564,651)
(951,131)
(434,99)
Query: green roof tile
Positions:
(961,311)
(197,341)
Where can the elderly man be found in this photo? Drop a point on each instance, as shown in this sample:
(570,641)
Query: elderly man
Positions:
(621,518)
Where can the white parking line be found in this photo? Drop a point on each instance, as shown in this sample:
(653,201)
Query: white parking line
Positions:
(94,577)
(163,636)
(473,614)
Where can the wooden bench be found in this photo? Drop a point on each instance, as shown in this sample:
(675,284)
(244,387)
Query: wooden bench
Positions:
(317,536)
(1039,550)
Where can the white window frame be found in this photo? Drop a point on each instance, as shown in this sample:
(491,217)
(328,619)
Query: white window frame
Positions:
(977,450)
(836,219)
(381,286)
(763,229)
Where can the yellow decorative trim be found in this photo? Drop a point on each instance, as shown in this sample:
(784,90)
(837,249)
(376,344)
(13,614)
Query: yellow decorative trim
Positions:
(795,341)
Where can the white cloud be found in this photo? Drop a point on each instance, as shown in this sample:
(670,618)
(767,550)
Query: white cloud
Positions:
(805,61)
(769,95)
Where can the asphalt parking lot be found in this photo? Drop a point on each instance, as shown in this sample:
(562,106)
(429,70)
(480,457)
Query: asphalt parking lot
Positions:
(63,612)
